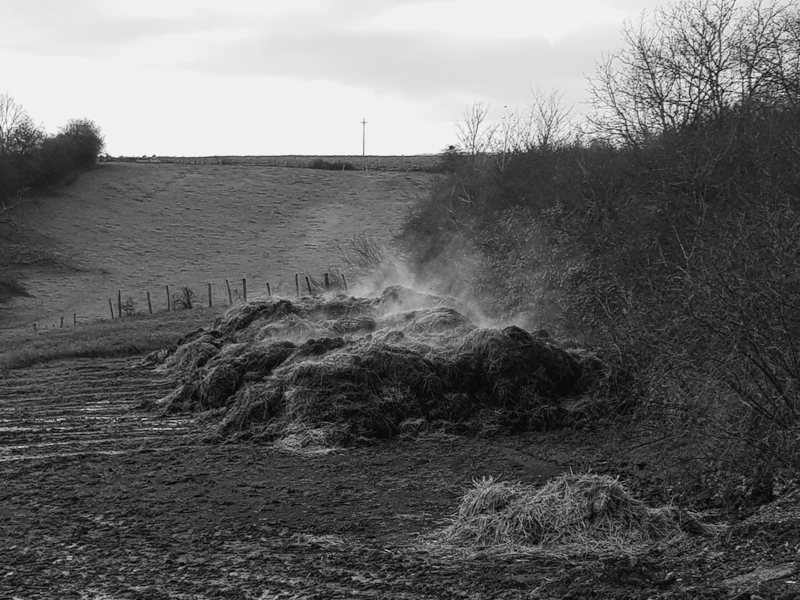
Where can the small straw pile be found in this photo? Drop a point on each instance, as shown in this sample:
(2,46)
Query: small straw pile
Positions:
(573,513)
(303,440)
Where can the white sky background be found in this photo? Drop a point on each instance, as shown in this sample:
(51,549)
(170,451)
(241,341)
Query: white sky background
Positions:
(238,77)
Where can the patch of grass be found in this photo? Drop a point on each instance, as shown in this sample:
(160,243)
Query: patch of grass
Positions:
(130,336)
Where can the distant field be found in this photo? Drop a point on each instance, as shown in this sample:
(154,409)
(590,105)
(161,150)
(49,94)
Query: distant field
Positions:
(424,162)
(136,227)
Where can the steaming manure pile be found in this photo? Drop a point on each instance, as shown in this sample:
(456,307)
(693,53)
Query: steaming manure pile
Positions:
(317,373)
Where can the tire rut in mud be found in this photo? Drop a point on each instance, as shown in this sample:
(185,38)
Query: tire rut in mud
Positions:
(82,407)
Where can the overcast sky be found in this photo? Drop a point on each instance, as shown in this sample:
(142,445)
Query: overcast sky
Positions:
(215,77)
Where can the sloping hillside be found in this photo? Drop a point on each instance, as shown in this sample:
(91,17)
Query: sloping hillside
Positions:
(136,227)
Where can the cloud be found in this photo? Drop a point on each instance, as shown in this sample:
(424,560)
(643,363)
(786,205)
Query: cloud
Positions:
(86,28)
(412,65)
(411,48)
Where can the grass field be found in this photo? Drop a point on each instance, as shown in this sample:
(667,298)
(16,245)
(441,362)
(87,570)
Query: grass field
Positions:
(22,347)
(136,227)
(429,162)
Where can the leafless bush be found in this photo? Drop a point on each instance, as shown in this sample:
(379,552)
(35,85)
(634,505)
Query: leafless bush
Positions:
(364,255)
(746,302)
(183,299)
(476,135)
(129,307)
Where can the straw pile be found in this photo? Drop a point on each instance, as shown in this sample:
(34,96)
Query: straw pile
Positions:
(584,512)
(347,369)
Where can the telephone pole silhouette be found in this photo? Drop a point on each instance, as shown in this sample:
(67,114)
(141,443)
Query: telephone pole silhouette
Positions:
(363,137)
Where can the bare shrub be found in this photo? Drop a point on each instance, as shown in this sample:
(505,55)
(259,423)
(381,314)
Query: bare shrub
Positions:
(129,307)
(183,299)
(363,254)
(376,264)
(338,165)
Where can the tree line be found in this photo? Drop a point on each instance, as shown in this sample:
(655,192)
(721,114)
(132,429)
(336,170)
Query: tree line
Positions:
(31,159)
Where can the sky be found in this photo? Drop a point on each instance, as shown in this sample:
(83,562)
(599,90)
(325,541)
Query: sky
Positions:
(268,77)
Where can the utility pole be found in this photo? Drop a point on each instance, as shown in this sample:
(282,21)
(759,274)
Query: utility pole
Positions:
(363,137)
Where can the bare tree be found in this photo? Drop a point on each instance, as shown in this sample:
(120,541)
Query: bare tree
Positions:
(546,124)
(510,135)
(768,53)
(694,60)
(18,134)
(19,138)
(550,123)
(475,134)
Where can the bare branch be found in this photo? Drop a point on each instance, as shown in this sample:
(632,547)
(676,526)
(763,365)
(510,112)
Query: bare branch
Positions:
(475,134)
(696,60)
(7,208)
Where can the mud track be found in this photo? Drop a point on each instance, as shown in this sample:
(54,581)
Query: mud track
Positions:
(99,501)
(81,408)
(102,501)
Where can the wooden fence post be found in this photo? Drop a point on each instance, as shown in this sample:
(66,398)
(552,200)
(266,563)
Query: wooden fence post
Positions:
(209,295)
(308,283)
(74,318)
(269,291)
(230,296)
(62,321)
(244,289)
(327,282)
(111,308)
(149,303)
(168,300)
(119,303)
(297,283)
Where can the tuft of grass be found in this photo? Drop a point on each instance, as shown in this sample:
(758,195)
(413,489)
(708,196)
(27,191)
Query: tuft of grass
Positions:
(130,336)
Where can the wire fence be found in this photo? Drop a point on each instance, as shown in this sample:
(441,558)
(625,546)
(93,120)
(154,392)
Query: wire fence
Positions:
(211,294)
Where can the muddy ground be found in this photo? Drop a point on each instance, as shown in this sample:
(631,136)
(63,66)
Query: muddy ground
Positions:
(99,500)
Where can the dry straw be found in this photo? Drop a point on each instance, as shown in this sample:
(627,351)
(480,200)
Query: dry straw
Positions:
(303,440)
(571,514)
